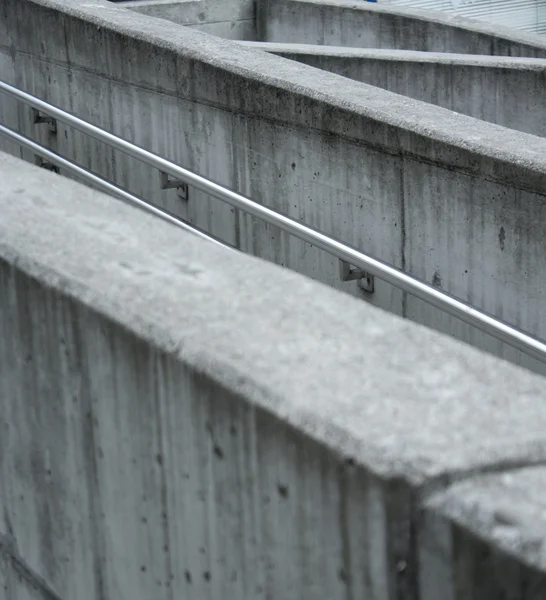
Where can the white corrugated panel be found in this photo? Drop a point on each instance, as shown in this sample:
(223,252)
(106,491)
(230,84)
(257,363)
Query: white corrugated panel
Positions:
(526,15)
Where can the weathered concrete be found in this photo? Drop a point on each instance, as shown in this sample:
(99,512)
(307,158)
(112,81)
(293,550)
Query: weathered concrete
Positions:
(163,440)
(524,15)
(484,539)
(230,19)
(365,25)
(504,90)
(450,199)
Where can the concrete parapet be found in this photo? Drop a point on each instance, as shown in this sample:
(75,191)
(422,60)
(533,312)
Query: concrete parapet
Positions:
(452,200)
(180,421)
(484,538)
(504,90)
(234,19)
(365,25)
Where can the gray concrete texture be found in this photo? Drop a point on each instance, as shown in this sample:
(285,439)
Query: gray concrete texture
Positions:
(365,25)
(507,91)
(448,198)
(163,440)
(233,19)
(478,526)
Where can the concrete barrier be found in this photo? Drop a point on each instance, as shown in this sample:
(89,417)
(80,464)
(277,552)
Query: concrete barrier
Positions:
(452,200)
(233,19)
(180,421)
(507,91)
(471,533)
(365,25)
(524,16)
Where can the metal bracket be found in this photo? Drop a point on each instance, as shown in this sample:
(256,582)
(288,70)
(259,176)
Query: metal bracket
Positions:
(44,164)
(365,279)
(168,184)
(38,117)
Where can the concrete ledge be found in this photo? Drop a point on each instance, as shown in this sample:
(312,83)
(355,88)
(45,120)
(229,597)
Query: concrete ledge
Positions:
(233,19)
(393,176)
(484,538)
(180,420)
(360,24)
(504,90)
(257,74)
(387,54)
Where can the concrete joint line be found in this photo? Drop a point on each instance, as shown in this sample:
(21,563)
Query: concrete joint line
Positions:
(442,482)
(23,570)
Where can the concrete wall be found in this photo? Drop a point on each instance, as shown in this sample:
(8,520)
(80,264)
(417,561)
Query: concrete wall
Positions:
(508,91)
(163,440)
(364,25)
(525,15)
(233,19)
(450,199)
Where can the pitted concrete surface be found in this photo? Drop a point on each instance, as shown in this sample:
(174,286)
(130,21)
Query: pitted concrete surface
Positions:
(146,359)
(390,26)
(194,11)
(398,179)
(449,58)
(507,510)
(138,354)
(385,108)
(230,20)
(403,399)
(431,16)
(506,91)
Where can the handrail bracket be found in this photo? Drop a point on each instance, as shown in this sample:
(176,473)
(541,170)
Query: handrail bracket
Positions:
(39,117)
(39,161)
(168,183)
(365,280)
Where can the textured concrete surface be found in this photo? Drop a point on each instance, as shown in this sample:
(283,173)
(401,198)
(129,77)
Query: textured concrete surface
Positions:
(484,538)
(234,19)
(365,25)
(278,439)
(522,15)
(450,199)
(504,90)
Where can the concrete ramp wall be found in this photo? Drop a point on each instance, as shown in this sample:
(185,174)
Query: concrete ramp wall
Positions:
(507,91)
(183,422)
(230,19)
(454,201)
(364,25)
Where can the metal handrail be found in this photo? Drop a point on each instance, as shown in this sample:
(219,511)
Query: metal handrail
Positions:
(106,186)
(433,296)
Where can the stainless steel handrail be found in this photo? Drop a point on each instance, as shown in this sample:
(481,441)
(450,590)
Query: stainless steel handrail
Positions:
(106,186)
(433,296)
